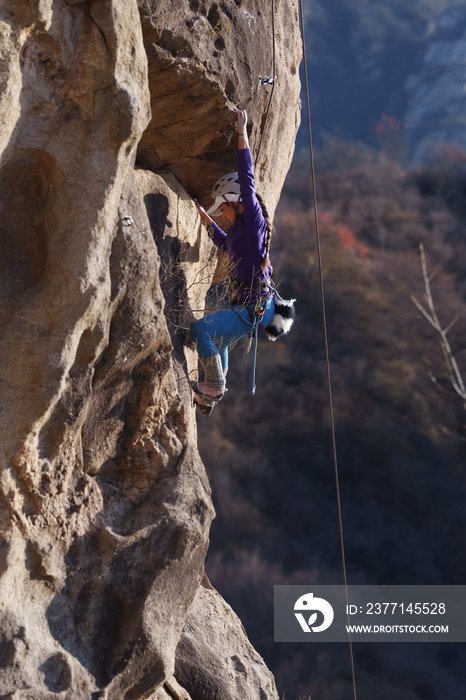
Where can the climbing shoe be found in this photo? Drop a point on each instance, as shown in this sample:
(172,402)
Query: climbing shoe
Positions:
(204,402)
(204,409)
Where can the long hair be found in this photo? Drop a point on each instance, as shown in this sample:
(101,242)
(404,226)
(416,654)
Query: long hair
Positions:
(265,259)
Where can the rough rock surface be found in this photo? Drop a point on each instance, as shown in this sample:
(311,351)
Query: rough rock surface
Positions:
(436,113)
(106,507)
(214,661)
(188,260)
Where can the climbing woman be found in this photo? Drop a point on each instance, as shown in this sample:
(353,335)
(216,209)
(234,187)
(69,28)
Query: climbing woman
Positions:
(251,301)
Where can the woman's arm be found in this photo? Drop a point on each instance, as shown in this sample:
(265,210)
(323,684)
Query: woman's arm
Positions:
(243,144)
(252,210)
(203,214)
(218,236)
(242,120)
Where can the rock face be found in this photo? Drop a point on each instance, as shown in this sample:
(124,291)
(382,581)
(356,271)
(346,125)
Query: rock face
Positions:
(105,503)
(214,661)
(436,113)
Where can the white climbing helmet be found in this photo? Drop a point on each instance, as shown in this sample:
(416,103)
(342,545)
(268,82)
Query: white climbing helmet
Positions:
(226,189)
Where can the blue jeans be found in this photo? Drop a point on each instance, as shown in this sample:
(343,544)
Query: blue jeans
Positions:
(216,332)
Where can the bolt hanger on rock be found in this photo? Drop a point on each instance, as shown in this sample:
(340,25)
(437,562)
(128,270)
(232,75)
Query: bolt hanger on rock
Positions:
(266,80)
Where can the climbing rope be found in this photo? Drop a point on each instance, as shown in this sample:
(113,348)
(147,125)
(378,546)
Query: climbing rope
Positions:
(268,81)
(327,356)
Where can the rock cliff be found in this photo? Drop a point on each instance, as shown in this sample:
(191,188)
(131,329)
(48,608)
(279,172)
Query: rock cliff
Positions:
(436,95)
(106,506)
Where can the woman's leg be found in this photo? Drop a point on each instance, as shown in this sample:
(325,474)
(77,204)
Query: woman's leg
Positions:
(224,356)
(214,377)
(212,335)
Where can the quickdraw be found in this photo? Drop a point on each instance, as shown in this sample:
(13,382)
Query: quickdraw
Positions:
(259,311)
(267,80)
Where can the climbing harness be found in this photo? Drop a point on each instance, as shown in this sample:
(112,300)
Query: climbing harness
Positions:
(327,355)
(283,318)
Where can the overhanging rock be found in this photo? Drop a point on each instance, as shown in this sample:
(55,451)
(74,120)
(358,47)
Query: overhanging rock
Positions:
(205,59)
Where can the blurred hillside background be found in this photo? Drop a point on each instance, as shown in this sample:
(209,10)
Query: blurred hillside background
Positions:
(388,108)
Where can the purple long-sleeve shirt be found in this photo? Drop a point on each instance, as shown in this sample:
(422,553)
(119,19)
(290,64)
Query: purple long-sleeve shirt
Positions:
(246,239)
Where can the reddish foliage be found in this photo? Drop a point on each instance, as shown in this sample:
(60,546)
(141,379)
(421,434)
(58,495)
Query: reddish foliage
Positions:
(345,234)
(349,241)
(389,125)
(454,154)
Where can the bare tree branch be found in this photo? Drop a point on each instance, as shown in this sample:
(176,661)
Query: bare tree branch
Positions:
(450,325)
(450,434)
(423,311)
(435,381)
(454,373)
